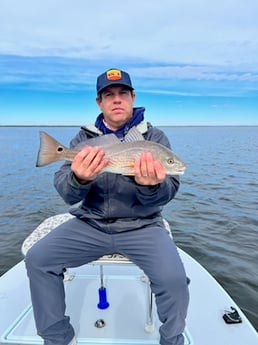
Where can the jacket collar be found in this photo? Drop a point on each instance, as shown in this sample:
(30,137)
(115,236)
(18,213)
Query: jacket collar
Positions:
(137,118)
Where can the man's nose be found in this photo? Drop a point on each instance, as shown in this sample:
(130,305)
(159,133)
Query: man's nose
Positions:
(117,98)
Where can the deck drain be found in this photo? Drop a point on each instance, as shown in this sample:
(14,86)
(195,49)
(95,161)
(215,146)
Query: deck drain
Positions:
(100,323)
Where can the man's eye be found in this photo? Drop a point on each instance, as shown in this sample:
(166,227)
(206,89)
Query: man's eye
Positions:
(124,93)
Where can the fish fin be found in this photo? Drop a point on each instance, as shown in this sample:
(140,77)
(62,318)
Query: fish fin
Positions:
(101,141)
(133,135)
(142,127)
(129,169)
(121,167)
(111,139)
(50,150)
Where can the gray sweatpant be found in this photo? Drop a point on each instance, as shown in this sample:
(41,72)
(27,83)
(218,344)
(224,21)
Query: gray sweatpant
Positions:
(75,243)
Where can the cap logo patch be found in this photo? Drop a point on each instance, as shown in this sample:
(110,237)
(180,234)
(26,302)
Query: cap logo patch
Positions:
(114,74)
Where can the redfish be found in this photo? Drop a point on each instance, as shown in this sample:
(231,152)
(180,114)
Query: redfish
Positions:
(121,155)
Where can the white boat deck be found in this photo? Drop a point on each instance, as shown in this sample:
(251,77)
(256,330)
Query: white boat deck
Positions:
(127,293)
(125,318)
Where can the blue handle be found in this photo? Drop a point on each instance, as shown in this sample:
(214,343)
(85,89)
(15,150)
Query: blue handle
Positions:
(103,303)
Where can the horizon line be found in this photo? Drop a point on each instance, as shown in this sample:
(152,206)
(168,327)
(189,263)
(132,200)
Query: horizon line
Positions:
(162,125)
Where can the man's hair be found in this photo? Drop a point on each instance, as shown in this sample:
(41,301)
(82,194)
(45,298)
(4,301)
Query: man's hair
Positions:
(99,95)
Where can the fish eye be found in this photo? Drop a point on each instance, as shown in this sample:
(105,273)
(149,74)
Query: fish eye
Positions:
(170,161)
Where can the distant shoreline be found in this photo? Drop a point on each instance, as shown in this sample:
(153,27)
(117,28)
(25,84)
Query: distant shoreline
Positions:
(154,125)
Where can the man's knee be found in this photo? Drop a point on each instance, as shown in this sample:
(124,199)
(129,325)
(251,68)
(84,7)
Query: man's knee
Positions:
(175,281)
(35,258)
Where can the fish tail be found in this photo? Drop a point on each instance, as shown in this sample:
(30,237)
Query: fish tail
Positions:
(50,150)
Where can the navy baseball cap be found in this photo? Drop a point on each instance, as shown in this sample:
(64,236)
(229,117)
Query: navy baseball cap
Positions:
(113,76)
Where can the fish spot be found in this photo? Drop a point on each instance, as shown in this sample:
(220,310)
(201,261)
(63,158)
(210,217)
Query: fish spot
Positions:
(60,149)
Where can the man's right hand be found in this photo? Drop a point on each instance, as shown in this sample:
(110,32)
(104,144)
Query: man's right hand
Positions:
(88,163)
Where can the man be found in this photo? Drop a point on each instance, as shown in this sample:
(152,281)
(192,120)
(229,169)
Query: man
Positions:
(117,214)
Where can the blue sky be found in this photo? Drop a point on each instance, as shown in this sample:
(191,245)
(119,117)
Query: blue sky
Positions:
(191,62)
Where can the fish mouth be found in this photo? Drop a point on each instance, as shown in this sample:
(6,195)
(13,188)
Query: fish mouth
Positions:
(180,171)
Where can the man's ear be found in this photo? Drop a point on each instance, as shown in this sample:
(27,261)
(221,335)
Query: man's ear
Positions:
(98,100)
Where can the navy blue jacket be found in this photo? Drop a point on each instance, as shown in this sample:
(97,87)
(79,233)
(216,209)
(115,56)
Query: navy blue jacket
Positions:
(113,196)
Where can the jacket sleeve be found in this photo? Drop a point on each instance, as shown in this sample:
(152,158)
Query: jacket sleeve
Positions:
(162,193)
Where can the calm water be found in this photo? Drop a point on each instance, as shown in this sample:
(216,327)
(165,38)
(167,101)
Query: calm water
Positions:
(214,216)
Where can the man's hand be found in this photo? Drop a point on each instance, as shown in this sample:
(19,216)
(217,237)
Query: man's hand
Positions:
(149,171)
(88,163)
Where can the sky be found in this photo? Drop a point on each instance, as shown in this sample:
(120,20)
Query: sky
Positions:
(191,62)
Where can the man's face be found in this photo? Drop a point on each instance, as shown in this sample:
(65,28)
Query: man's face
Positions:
(116,104)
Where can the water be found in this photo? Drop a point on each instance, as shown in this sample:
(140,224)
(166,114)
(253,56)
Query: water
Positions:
(214,216)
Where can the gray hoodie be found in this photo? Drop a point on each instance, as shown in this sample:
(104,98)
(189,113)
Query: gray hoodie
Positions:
(114,198)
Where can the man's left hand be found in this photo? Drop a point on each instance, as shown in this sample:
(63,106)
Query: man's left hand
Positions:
(148,171)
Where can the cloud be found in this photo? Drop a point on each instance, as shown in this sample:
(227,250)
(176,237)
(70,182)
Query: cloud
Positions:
(170,47)
(197,72)
(197,32)
(70,74)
